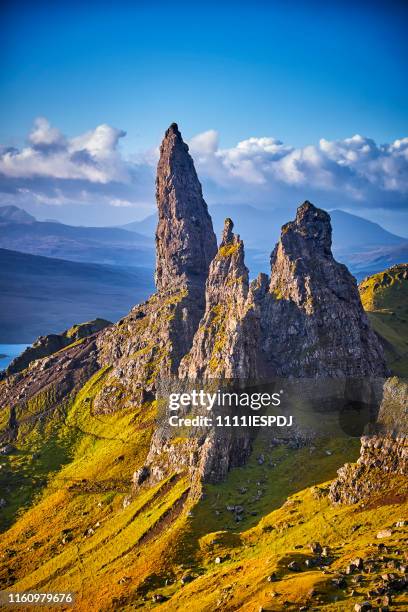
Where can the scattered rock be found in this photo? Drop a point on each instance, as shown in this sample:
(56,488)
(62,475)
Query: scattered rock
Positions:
(159,598)
(294,566)
(90,531)
(141,475)
(339,583)
(384,533)
(68,537)
(6,449)
(316,548)
(363,607)
(187,578)
(126,501)
(358,562)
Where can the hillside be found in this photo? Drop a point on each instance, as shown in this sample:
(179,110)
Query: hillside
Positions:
(41,295)
(104,498)
(385,298)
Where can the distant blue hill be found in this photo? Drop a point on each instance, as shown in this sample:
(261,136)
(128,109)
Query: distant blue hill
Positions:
(365,247)
(41,295)
(20,231)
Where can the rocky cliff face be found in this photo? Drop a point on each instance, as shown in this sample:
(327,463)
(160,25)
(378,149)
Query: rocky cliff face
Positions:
(312,320)
(383,453)
(150,342)
(306,320)
(185,240)
(207,322)
(224,344)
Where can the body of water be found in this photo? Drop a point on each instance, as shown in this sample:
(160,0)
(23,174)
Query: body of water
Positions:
(8,352)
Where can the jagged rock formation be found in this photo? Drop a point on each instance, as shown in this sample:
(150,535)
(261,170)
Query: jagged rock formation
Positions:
(47,345)
(151,341)
(305,321)
(185,240)
(224,344)
(207,323)
(384,452)
(312,320)
(292,325)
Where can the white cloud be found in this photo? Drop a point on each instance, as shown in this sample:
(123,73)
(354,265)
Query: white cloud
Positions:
(204,143)
(89,169)
(355,168)
(92,157)
(121,203)
(43,135)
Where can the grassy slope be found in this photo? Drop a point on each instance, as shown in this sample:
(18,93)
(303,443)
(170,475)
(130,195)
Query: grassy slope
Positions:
(385,298)
(146,547)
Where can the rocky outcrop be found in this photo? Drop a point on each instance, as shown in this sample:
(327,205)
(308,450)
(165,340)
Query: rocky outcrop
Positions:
(185,240)
(47,386)
(224,344)
(312,320)
(305,321)
(151,341)
(47,345)
(206,323)
(383,453)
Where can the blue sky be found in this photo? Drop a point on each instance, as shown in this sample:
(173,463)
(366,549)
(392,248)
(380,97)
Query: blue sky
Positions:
(294,71)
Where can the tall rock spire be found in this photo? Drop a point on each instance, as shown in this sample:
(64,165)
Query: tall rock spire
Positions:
(185,240)
(315,324)
(223,345)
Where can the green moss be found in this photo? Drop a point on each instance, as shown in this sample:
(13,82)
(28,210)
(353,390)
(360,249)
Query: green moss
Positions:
(228,250)
(218,321)
(385,298)
(278,294)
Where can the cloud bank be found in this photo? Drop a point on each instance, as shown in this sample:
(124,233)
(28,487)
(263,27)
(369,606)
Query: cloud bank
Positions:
(355,169)
(355,173)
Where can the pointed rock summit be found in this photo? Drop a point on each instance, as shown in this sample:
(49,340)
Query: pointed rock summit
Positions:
(150,342)
(315,325)
(223,344)
(185,240)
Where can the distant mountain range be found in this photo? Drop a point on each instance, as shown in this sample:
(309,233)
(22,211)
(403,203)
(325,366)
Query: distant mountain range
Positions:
(41,295)
(20,231)
(71,274)
(365,247)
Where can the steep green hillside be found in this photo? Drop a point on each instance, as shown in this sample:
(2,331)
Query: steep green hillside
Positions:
(385,298)
(156,548)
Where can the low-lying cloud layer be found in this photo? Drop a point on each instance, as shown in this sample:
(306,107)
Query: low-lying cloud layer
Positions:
(354,173)
(355,169)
